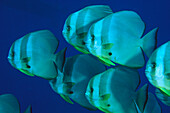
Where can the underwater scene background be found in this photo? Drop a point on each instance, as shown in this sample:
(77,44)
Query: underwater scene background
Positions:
(20,17)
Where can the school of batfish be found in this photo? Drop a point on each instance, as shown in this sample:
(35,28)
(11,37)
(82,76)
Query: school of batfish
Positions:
(106,38)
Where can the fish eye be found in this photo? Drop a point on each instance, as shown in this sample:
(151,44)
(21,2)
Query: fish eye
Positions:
(83,43)
(108,105)
(93,37)
(71,92)
(28,66)
(68,28)
(153,65)
(91,90)
(110,53)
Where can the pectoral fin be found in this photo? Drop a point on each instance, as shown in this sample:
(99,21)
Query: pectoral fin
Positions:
(105,97)
(66,98)
(107,46)
(106,61)
(26,59)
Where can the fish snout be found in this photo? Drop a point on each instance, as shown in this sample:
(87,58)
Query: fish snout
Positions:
(147,71)
(87,95)
(64,34)
(90,98)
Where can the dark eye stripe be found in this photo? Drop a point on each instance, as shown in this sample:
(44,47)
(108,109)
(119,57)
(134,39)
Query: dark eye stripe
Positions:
(23,47)
(12,55)
(91,86)
(92,37)
(91,90)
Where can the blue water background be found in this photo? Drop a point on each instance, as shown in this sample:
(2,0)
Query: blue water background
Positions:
(19,17)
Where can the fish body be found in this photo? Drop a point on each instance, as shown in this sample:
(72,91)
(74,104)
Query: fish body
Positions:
(158,68)
(33,54)
(77,24)
(73,81)
(113,91)
(117,38)
(163,97)
(10,104)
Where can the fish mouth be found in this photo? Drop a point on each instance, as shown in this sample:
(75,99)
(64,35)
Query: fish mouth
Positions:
(87,95)
(64,34)
(91,98)
(147,71)
(104,110)
(12,62)
(9,58)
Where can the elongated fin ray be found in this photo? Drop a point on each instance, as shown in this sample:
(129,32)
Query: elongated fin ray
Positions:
(149,42)
(66,98)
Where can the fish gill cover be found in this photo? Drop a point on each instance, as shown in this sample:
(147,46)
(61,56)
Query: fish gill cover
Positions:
(107,74)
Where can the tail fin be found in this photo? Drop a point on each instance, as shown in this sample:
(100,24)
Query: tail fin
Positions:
(60,59)
(141,97)
(152,105)
(149,42)
(29,109)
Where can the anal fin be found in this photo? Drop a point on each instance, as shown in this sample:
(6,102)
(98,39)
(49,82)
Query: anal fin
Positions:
(66,98)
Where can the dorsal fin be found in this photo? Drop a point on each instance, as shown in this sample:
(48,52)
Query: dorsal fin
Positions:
(60,59)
